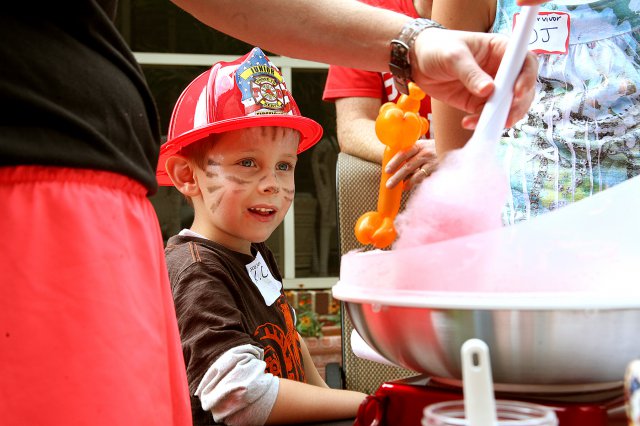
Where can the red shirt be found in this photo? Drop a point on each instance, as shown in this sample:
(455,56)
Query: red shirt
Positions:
(343,82)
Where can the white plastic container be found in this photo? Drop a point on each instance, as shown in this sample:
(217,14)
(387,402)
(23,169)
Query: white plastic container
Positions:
(510,413)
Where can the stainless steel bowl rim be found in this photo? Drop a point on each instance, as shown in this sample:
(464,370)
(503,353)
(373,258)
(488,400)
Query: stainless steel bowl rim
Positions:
(486,300)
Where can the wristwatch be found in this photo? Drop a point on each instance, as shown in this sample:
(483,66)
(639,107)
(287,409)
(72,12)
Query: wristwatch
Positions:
(400,65)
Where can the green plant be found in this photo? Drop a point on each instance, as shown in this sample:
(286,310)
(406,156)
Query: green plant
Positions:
(331,320)
(334,317)
(308,324)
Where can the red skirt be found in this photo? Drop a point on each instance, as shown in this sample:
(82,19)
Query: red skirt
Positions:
(88,332)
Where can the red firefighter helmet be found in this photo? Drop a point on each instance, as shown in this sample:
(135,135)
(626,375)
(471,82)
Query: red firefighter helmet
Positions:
(247,92)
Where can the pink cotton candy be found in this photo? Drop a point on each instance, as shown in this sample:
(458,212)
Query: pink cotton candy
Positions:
(464,196)
(590,247)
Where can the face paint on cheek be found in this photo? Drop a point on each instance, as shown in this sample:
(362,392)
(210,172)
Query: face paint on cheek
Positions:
(236,179)
(289,194)
(211,171)
(216,202)
(213,188)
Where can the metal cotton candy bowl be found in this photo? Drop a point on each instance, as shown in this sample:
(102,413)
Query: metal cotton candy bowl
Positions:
(577,348)
(557,299)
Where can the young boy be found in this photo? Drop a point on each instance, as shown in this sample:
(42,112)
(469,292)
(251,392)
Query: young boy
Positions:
(232,148)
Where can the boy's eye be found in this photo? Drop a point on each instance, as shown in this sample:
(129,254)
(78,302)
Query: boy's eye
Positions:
(283,167)
(247,163)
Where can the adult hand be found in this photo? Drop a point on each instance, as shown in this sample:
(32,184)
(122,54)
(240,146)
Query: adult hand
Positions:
(413,165)
(457,67)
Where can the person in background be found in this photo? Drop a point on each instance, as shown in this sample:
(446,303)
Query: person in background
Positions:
(358,95)
(246,363)
(89,334)
(582,132)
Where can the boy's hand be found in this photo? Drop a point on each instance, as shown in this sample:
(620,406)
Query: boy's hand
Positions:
(457,67)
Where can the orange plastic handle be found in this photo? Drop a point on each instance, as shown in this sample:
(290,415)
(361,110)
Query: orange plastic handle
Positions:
(398,126)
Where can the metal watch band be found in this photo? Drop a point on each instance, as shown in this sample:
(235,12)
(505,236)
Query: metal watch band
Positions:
(399,64)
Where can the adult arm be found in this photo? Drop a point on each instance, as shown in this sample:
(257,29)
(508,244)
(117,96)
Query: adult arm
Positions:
(455,67)
(331,31)
(355,121)
(478,16)
(356,118)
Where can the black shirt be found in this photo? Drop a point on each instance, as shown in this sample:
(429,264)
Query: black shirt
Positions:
(72,93)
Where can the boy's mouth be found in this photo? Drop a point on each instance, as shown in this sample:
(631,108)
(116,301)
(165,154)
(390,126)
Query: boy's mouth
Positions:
(262,211)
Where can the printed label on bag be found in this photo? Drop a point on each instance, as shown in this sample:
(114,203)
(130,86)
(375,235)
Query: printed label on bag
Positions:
(550,32)
(261,276)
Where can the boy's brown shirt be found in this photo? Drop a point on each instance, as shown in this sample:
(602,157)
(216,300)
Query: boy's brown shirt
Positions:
(218,308)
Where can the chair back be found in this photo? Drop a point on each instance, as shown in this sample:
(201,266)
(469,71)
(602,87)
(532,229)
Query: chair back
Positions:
(357,186)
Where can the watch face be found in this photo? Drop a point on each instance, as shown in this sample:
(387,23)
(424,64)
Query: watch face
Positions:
(399,66)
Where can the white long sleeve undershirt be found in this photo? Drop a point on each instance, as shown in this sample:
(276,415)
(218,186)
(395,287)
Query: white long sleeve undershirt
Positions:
(236,389)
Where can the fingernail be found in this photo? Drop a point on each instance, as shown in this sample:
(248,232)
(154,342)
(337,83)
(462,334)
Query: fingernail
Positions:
(469,125)
(485,86)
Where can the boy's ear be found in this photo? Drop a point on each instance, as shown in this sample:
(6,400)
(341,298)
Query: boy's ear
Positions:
(182,174)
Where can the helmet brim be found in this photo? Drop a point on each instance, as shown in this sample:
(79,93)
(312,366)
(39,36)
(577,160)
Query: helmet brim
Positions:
(310,134)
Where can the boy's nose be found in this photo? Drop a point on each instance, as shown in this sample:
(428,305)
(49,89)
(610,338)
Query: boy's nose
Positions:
(273,189)
(270,183)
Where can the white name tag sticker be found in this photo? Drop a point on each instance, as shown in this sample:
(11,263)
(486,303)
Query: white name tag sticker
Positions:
(261,276)
(550,32)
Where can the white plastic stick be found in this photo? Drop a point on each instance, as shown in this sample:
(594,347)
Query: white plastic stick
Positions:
(477,384)
(495,112)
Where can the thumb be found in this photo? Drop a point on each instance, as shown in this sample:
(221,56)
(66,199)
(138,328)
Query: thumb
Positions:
(478,82)
(466,68)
